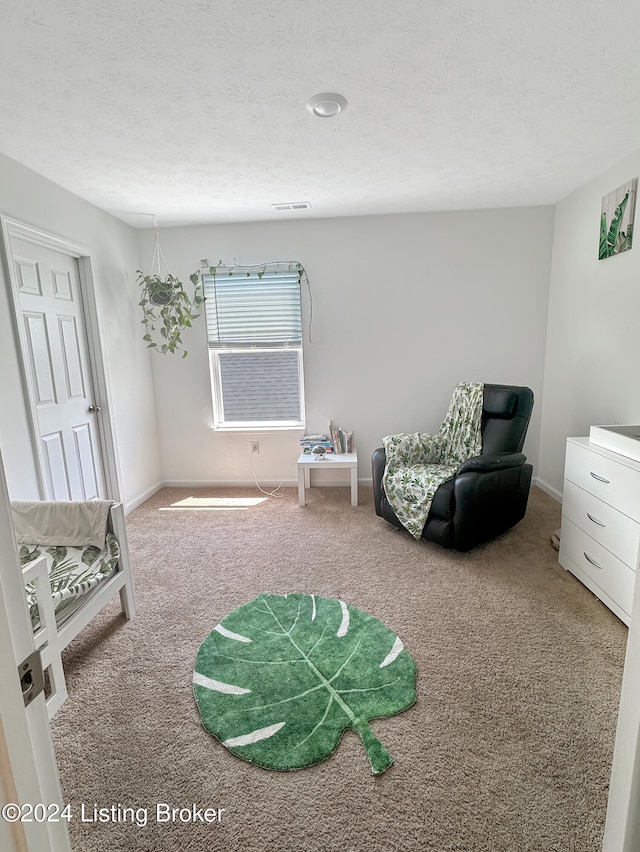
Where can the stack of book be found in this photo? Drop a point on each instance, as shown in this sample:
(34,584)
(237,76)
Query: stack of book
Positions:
(341,439)
(309,441)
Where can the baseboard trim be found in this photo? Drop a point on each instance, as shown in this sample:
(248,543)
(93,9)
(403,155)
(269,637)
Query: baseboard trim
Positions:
(130,505)
(227,483)
(251,483)
(289,483)
(548,489)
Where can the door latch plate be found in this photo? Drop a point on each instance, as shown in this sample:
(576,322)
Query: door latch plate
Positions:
(31,676)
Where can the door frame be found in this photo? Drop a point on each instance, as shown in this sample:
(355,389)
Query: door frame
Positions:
(28,768)
(12,228)
(622,826)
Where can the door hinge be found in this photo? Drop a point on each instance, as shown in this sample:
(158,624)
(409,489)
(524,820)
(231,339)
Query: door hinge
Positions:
(31,676)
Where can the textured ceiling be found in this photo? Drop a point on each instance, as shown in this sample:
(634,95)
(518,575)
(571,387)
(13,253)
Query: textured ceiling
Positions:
(195,111)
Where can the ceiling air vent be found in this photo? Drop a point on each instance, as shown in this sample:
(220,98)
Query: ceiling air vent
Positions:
(294,205)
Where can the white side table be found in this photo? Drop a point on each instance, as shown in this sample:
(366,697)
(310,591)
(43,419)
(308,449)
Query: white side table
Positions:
(344,461)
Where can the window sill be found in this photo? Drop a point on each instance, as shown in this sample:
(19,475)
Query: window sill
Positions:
(244,430)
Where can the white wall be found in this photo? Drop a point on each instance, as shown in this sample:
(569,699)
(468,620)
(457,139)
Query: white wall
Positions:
(30,198)
(403,308)
(593,339)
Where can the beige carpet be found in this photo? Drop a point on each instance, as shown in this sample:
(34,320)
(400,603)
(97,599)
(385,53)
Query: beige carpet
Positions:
(508,747)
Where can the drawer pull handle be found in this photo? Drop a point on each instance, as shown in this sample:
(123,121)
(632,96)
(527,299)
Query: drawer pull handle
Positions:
(592,561)
(600,478)
(596,521)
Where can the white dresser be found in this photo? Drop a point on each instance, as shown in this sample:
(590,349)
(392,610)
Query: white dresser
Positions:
(600,538)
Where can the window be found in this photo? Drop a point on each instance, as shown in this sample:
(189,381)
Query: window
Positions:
(254,327)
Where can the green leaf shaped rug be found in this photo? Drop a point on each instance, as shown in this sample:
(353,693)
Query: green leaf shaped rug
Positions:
(281,679)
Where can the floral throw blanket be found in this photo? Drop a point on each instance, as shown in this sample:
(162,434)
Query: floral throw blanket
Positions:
(416,464)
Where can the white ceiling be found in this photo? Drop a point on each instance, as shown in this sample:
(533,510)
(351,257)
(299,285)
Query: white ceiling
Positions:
(194,110)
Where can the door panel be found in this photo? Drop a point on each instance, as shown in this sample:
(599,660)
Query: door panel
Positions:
(62,287)
(28,281)
(57,362)
(86,458)
(55,471)
(39,351)
(68,329)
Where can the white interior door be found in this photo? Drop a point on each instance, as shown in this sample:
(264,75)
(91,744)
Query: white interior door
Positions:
(51,329)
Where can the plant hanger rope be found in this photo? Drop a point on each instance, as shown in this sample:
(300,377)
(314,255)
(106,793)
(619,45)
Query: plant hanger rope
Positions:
(158,255)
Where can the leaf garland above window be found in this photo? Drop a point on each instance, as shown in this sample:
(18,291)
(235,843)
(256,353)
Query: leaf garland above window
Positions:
(270,273)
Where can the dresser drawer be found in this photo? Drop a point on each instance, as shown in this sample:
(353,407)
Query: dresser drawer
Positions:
(612,529)
(605,571)
(615,483)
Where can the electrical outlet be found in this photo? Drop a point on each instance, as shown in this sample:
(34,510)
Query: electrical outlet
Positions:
(255,447)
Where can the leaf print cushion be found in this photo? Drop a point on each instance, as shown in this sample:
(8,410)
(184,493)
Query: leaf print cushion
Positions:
(281,678)
(73,571)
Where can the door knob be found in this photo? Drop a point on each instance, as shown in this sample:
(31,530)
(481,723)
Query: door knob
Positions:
(93,409)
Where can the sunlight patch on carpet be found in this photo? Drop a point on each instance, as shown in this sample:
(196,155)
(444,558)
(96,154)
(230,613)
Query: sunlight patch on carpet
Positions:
(215,503)
(281,679)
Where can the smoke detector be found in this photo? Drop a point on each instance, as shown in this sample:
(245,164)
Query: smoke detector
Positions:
(326,105)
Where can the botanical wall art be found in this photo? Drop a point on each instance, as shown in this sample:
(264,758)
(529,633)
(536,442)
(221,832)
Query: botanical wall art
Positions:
(616,219)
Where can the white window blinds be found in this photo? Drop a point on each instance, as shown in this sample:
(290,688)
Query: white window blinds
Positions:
(254,329)
(253,309)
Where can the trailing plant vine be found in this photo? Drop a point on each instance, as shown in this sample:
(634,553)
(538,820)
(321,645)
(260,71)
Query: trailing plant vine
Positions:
(260,270)
(168,309)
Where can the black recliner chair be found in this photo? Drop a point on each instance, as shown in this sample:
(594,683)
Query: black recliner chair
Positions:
(489,492)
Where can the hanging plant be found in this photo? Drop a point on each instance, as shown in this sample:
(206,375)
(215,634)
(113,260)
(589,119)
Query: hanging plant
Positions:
(167,308)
